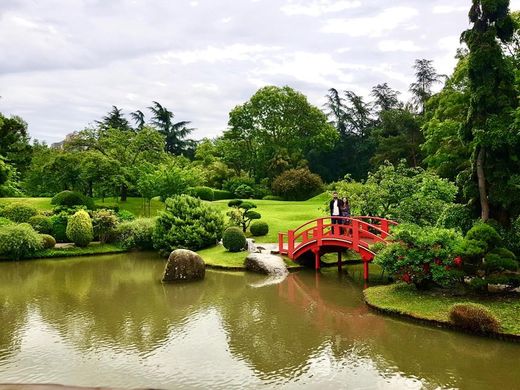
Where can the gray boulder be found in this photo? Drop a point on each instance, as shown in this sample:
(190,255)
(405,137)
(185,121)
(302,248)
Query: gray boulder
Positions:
(184,265)
(265,264)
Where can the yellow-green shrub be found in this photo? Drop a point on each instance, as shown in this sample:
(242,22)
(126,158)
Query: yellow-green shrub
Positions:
(79,229)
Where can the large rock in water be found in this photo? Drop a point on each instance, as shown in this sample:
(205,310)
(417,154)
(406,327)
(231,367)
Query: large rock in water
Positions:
(265,264)
(184,265)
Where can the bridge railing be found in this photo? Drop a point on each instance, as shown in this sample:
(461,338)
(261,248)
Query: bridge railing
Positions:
(355,229)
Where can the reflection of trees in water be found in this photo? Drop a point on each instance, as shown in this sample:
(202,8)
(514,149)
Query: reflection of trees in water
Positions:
(118,302)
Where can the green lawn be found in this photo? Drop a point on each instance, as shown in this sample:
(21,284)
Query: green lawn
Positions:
(282,216)
(43,204)
(406,299)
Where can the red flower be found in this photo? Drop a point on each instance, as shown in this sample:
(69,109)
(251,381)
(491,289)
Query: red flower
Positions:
(457,261)
(406,278)
(447,268)
(426,268)
(437,261)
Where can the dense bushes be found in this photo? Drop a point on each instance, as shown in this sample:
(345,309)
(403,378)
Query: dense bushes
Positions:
(259,228)
(5,221)
(125,215)
(48,241)
(456,216)
(19,212)
(19,241)
(136,234)
(486,261)
(79,229)
(222,195)
(59,226)
(72,198)
(297,184)
(233,239)
(474,317)
(242,213)
(422,255)
(187,223)
(273,197)
(204,193)
(104,223)
(41,223)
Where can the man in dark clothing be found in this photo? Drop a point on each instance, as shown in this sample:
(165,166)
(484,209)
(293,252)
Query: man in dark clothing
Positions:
(335,206)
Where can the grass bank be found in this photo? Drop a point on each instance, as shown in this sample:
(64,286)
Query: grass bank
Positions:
(70,250)
(406,300)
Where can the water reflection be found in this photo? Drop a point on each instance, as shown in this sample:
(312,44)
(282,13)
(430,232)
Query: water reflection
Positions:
(108,321)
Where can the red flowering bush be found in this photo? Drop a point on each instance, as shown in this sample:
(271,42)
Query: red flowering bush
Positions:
(422,255)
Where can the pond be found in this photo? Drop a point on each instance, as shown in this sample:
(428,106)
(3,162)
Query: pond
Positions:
(109,321)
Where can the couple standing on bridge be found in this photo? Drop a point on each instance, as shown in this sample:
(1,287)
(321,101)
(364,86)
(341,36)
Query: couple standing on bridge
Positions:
(339,208)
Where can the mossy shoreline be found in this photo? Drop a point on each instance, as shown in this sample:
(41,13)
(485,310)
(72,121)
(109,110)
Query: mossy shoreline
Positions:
(404,301)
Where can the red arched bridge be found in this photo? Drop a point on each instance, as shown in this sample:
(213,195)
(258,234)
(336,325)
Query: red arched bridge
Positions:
(335,234)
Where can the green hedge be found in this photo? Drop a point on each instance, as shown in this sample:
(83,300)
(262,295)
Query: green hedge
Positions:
(259,228)
(233,239)
(222,195)
(19,241)
(72,198)
(204,193)
(41,224)
(19,212)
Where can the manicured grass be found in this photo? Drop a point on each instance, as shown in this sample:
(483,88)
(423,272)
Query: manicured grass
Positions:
(282,216)
(406,299)
(43,204)
(92,249)
(218,256)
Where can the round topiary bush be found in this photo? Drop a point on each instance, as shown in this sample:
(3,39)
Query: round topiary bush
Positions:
(19,241)
(41,224)
(79,229)
(233,239)
(297,184)
(204,193)
(187,223)
(474,317)
(48,241)
(222,194)
(19,212)
(259,228)
(72,198)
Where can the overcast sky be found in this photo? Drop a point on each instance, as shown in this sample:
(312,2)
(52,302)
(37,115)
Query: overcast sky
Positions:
(64,63)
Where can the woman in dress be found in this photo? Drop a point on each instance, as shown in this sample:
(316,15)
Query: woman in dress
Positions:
(345,210)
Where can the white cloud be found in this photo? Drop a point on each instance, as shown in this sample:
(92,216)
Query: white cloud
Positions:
(373,26)
(318,7)
(390,45)
(448,9)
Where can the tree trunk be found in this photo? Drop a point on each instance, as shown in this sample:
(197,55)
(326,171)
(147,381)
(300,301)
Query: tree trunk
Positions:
(124,192)
(484,202)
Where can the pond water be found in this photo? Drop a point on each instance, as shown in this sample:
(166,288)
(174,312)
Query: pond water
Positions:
(109,321)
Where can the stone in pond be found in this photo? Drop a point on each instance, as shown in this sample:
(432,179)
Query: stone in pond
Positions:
(265,264)
(184,265)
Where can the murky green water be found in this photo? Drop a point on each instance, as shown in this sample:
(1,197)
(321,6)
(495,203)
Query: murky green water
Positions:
(108,321)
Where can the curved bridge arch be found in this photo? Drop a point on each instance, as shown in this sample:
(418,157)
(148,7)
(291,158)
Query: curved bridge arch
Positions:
(334,234)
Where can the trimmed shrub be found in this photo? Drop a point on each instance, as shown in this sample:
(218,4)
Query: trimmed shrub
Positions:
(136,234)
(273,197)
(204,193)
(72,198)
(41,224)
(59,226)
(79,229)
(125,215)
(48,241)
(474,317)
(5,221)
(297,184)
(222,194)
(484,233)
(244,191)
(19,241)
(259,228)
(187,223)
(233,239)
(19,212)
(104,223)
(456,216)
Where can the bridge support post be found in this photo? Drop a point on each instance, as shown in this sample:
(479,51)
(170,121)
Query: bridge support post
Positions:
(365,271)
(316,259)
(339,261)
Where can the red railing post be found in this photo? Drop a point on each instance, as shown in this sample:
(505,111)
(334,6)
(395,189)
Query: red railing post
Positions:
(319,235)
(290,244)
(355,234)
(280,242)
(384,228)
